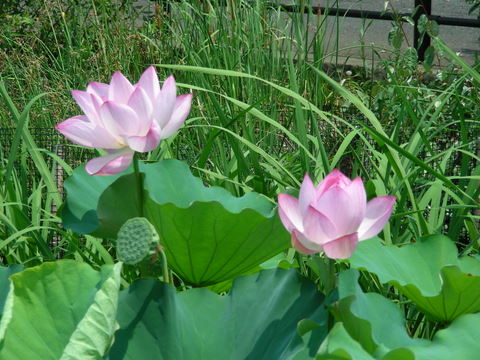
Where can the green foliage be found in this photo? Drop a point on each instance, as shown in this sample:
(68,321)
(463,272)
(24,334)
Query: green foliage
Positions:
(275,314)
(260,319)
(372,327)
(64,310)
(209,235)
(79,211)
(5,273)
(458,341)
(18,220)
(364,317)
(339,345)
(428,272)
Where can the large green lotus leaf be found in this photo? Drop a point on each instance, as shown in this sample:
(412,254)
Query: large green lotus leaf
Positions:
(117,204)
(60,310)
(79,211)
(168,181)
(339,345)
(5,273)
(209,235)
(372,320)
(372,327)
(457,342)
(282,261)
(263,317)
(428,272)
(205,244)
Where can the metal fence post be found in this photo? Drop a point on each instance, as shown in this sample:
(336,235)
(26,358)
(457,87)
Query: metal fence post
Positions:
(424,7)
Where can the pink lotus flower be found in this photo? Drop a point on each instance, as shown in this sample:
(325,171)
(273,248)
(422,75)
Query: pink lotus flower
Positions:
(334,216)
(123,118)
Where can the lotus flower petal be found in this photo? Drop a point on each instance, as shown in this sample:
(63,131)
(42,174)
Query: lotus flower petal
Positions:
(86,103)
(335,178)
(336,204)
(145,143)
(109,164)
(289,212)
(165,102)
(120,88)
(99,89)
(318,228)
(378,212)
(120,119)
(307,194)
(149,82)
(180,113)
(81,131)
(298,241)
(341,248)
(358,197)
(140,103)
(97,103)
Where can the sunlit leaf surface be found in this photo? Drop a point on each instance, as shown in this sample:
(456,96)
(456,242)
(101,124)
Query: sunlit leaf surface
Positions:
(428,272)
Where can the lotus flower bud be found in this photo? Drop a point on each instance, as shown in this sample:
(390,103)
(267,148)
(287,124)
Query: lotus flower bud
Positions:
(333,216)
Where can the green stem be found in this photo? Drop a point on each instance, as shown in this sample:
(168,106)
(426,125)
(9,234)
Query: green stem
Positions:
(332,275)
(301,263)
(166,277)
(139,181)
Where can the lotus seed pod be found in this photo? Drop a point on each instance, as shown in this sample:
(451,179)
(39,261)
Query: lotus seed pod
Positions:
(136,239)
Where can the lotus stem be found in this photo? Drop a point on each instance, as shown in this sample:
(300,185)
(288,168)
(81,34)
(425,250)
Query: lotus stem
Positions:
(332,275)
(139,181)
(166,277)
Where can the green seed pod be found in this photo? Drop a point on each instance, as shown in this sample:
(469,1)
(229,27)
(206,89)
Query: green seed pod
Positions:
(136,239)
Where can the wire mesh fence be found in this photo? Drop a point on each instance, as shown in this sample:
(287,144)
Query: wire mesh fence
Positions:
(54,146)
(52,143)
